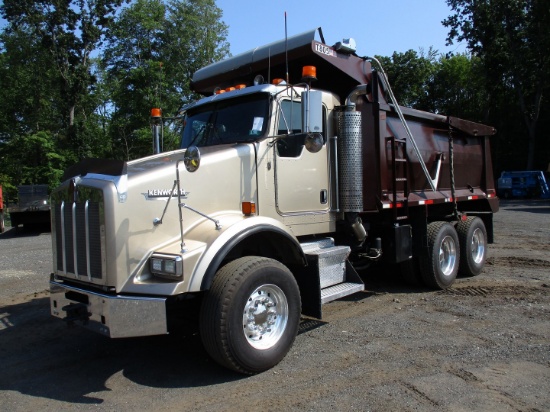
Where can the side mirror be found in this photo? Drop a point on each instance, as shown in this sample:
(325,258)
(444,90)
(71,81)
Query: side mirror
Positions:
(312,111)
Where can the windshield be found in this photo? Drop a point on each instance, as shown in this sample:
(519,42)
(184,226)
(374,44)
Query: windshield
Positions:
(227,121)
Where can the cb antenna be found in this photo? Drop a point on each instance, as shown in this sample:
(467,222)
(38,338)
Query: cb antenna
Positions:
(286,52)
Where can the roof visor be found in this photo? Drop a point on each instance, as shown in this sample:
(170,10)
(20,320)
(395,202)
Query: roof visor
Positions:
(336,71)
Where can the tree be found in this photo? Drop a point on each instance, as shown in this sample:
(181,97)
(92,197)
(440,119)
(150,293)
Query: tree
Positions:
(30,148)
(70,30)
(512,39)
(37,159)
(410,75)
(132,64)
(151,53)
(457,88)
(27,86)
(195,37)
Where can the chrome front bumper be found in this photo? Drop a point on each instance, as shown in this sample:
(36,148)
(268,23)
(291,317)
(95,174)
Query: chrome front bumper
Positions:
(115,316)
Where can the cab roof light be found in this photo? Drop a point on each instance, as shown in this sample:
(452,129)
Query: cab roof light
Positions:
(259,79)
(309,73)
(240,86)
(278,81)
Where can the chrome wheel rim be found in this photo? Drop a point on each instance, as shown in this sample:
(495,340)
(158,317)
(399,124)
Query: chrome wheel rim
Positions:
(265,316)
(447,256)
(478,246)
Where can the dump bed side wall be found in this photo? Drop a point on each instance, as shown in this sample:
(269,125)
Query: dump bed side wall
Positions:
(472,159)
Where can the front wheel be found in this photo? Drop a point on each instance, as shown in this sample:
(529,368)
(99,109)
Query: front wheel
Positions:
(439,266)
(473,246)
(250,316)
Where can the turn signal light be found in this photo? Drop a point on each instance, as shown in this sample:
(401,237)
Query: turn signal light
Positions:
(248,208)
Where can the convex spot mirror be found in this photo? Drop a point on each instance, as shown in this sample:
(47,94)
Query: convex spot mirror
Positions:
(192,158)
(314,142)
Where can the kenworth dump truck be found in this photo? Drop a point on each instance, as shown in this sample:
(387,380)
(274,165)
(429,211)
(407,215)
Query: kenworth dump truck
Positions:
(297,171)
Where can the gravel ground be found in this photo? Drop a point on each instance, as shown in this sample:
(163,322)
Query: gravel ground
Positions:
(482,345)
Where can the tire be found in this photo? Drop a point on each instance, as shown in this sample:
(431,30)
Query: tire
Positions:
(472,236)
(439,266)
(2,225)
(250,316)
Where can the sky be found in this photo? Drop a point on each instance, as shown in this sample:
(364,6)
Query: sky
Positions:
(379,27)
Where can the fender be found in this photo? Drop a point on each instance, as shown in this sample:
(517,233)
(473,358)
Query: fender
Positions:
(235,235)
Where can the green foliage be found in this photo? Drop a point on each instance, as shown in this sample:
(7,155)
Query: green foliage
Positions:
(410,75)
(152,51)
(457,88)
(34,159)
(512,40)
(59,105)
(449,85)
(28,89)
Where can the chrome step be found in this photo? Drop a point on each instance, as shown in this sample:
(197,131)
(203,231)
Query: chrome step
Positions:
(339,291)
(337,278)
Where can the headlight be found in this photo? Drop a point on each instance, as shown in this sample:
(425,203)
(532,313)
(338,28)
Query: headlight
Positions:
(166,266)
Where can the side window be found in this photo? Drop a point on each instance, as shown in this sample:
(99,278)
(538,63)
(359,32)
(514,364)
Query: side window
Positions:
(290,118)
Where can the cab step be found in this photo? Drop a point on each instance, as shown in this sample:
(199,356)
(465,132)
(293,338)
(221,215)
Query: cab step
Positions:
(337,278)
(340,290)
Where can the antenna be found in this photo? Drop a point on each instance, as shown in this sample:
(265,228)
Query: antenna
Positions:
(286,52)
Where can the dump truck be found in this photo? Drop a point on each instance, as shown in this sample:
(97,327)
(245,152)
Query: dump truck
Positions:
(33,207)
(298,174)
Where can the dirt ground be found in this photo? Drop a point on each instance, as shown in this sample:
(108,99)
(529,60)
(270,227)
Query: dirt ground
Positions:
(482,345)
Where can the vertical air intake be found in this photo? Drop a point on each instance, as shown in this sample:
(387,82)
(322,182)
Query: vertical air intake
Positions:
(350,162)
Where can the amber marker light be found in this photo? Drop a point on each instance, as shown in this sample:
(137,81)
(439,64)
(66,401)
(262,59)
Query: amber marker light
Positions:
(230,89)
(277,81)
(155,112)
(240,86)
(309,73)
(248,208)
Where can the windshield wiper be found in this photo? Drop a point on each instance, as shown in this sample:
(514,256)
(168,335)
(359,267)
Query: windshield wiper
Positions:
(199,133)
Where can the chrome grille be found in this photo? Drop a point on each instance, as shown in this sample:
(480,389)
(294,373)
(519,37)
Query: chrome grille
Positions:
(78,232)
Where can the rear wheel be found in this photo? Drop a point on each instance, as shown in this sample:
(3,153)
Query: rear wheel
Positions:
(439,266)
(2,227)
(473,246)
(250,316)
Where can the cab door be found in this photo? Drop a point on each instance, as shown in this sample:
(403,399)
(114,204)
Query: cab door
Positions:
(301,177)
